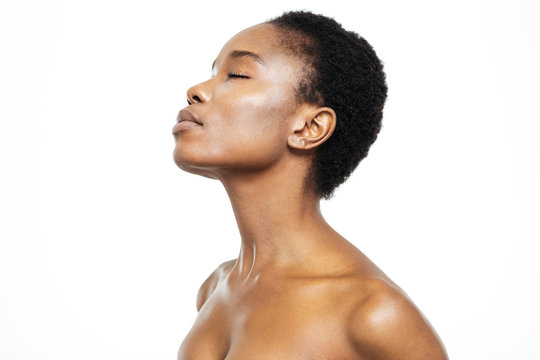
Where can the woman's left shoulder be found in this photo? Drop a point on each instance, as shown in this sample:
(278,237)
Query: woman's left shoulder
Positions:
(385,323)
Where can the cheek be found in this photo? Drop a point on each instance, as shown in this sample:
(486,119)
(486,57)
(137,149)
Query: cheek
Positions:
(257,112)
(248,125)
(259,109)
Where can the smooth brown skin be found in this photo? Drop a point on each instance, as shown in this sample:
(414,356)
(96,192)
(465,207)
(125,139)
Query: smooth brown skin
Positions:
(298,289)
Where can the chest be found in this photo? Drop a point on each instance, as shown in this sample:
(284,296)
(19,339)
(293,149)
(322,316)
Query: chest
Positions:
(269,325)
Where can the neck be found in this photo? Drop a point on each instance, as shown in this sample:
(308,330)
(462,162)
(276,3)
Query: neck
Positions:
(279,224)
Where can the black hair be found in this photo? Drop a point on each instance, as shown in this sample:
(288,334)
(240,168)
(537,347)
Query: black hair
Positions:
(344,73)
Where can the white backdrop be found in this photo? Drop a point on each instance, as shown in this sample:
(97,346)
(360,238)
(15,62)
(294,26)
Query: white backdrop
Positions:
(104,241)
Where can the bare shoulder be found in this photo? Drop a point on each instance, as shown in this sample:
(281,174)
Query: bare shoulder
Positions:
(385,324)
(209,285)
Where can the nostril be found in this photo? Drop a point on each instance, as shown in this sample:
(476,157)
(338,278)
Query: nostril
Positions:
(196,98)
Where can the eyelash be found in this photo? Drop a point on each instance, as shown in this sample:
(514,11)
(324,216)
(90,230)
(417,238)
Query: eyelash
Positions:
(236,75)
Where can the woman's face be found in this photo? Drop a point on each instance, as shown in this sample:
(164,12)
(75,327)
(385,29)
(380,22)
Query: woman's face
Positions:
(245,108)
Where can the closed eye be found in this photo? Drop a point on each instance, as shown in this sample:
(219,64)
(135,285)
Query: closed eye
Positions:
(236,75)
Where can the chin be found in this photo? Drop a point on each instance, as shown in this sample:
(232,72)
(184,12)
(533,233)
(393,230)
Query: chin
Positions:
(192,167)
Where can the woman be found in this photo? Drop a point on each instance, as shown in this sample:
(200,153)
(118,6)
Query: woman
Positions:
(292,106)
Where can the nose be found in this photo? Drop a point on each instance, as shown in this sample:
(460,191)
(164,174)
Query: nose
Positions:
(199,93)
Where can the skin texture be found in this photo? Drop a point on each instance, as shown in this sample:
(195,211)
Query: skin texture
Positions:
(298,289)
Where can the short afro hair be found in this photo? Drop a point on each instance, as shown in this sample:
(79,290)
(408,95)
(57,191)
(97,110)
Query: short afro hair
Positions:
(344,73)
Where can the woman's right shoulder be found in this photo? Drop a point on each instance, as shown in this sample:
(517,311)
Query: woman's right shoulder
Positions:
(211,282)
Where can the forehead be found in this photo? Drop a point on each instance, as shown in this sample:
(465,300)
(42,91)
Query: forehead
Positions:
(258,43)
(260,35)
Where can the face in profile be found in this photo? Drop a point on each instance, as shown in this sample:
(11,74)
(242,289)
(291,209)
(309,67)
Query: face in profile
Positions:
(245,109)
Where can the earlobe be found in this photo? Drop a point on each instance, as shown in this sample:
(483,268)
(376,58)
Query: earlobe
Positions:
(314,129)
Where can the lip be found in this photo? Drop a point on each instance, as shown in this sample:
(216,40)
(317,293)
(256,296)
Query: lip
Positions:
(186,115)
(185,120)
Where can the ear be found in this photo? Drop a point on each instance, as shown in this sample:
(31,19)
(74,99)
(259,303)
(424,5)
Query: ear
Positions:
(312,128)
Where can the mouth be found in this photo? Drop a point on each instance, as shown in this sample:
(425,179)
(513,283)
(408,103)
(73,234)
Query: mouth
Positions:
(186,115)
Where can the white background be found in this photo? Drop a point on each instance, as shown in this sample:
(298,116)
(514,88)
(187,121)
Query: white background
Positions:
(104,241)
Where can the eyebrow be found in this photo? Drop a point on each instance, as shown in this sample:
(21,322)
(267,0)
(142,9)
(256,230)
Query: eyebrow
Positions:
(243,53)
